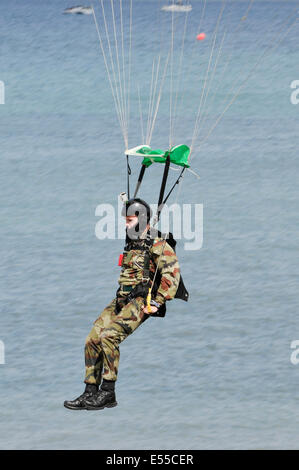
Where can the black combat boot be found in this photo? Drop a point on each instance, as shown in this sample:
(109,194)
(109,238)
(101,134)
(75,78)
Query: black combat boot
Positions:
(104,398)
(79,403)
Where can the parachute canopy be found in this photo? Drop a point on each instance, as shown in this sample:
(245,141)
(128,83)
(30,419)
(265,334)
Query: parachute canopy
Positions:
(178,155)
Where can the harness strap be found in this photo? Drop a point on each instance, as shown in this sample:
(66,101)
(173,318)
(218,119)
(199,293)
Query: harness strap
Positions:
(143,288)
(149,284)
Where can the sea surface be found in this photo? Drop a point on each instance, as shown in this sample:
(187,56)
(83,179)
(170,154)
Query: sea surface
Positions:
(216,372)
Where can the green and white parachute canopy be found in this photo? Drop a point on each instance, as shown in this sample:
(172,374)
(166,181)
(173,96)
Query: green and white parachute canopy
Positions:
(178,155)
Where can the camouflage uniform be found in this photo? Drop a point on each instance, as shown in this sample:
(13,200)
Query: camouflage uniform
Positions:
(111,328)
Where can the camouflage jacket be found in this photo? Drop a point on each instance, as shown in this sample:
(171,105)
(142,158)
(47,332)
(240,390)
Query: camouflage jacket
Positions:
(161,255)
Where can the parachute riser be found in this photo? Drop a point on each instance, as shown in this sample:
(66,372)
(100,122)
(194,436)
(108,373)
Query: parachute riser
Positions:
(163,185)
(140,178)
(129,171)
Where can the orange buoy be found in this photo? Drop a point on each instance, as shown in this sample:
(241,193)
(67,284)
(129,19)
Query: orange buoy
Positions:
(200,36)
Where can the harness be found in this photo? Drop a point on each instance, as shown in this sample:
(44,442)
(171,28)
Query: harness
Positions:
(142,288)
(150,282)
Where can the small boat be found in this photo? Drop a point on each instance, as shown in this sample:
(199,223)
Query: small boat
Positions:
(79,10)
(178,6)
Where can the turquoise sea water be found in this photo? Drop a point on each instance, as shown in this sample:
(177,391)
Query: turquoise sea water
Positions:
(216,372)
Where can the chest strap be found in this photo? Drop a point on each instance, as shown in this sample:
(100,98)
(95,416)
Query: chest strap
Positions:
(142,245)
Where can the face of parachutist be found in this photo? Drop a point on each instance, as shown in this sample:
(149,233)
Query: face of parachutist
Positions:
(131,221)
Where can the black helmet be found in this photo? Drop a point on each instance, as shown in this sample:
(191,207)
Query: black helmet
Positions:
(142,210)
(137,207)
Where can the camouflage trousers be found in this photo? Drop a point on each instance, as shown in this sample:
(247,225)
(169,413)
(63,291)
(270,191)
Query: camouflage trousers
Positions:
(102,343)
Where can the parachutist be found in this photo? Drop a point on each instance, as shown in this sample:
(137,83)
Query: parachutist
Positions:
(150,276)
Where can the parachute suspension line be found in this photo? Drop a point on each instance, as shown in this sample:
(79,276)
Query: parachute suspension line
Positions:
(233,88)
(187,72)
(123,70)
(155,89)
(233,99)
(159,23)
(180,186)
(186,168)
(158,101)
(241,22)
(235,83)
(119,78)
(204,113)
(119,73)
(210,79)
(193,173)
(130,65)
(180,70)
(149,104)
(117,90)
(198,117)
(152,98)
(114,91)
(202,16)
(171,80)
(140,113)
(174,185)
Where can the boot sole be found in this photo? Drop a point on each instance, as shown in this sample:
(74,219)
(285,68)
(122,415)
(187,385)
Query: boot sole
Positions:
(74,407)
(110,405)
